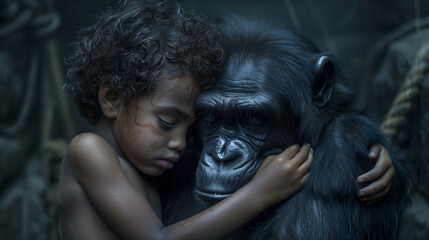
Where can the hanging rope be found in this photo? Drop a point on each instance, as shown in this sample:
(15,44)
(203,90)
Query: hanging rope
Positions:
(401,106)
(26,22)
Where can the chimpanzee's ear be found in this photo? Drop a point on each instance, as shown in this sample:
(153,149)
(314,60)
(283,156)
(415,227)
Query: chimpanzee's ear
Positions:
(324,81)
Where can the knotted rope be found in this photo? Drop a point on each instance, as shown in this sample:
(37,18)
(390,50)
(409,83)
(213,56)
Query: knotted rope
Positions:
(401,106)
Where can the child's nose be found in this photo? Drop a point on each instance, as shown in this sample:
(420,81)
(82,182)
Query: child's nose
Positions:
(177,142)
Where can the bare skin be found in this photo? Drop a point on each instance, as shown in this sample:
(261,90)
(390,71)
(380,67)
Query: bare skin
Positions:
(106,191)
(383,171)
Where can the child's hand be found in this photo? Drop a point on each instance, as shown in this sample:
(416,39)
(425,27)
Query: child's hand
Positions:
(282,175)
(383,173)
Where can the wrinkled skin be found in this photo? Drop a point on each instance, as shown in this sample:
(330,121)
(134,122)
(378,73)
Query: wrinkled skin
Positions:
(238,131)
(277,89)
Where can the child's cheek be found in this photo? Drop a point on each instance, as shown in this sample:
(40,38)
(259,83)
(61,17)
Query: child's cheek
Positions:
(154,146)
(146,138)
(142,122)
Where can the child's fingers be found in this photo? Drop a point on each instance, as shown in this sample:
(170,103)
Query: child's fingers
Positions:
(374,151)
(302,155)
(375,198)
(290,152)
(268,159)
(374,173)
(371,195)
(383,159)
(382,165)
(379,169)
(305,167)
(304,178)
(377,186)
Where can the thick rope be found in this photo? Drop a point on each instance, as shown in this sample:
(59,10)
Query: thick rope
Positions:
(401,106)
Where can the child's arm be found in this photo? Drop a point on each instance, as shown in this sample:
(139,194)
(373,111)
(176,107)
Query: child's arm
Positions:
(130,215)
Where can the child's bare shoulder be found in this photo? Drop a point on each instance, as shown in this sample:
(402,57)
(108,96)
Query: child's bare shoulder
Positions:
(89,151)
(88,144)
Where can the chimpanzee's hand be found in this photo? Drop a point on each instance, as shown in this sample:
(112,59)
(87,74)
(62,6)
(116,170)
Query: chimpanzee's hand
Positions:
(282,175)
(383,171)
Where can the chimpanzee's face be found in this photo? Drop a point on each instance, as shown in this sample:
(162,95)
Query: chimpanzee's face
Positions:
(239,128)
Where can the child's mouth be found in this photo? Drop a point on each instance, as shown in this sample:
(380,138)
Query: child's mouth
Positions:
(167,163)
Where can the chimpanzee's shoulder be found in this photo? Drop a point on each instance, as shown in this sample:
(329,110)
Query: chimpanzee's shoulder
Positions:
(354,127)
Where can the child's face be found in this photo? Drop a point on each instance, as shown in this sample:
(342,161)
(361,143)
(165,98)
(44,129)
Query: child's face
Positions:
(151,129)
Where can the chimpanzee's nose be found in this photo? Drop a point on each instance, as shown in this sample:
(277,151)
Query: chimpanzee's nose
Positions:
(223,150)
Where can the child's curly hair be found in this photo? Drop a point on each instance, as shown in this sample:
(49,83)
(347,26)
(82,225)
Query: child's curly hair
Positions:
(128,46)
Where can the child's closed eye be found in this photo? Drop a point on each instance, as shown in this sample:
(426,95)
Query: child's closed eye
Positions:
(165,124)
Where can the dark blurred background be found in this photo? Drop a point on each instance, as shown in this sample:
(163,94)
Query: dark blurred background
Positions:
(375,44)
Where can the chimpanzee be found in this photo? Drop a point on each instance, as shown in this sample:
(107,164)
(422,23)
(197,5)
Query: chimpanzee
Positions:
(276,89)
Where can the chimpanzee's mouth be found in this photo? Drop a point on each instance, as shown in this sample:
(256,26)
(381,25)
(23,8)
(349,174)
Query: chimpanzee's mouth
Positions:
(215,184)
(211,195)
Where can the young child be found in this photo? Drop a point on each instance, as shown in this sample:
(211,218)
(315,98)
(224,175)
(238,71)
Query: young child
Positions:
(135,74)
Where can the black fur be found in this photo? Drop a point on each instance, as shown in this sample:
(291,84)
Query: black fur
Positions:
(285,68)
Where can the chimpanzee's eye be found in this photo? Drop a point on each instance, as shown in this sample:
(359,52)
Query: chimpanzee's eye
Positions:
(207,117)
(255,123)
(253,119)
